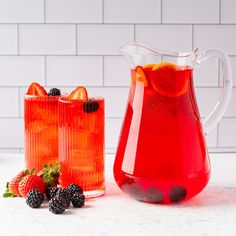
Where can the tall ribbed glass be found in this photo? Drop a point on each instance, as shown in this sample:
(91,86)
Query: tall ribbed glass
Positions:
(41,131)
(81,145)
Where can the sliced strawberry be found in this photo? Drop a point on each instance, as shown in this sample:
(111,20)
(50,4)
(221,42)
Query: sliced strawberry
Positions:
(14,183)
(80,93)
(12,189)
(37,90)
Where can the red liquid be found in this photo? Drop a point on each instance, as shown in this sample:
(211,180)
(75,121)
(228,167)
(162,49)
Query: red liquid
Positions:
(162,155)
(81,146)
(41,131)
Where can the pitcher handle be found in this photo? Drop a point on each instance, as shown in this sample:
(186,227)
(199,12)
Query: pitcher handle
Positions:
(216,114)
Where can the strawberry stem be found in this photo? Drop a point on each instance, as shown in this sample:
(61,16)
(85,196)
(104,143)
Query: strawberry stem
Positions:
(7,192)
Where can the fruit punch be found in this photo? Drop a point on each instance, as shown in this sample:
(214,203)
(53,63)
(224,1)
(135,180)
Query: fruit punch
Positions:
(41,131)
(81,142)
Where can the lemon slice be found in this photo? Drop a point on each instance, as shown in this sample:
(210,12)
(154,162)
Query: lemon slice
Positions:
(140,75)
(170,80)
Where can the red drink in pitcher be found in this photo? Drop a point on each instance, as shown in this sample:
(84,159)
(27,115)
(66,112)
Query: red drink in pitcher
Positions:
(160,136)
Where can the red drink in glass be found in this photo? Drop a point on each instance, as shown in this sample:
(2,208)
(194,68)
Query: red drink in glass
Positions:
(41,131)
(81,144)
(162,155)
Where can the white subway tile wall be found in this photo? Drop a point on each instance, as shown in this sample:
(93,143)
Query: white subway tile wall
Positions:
(21,11)
(168,37)
(71,70)
(190,11)
(132,11)
(73,11)
(65,43)
(8,39)
(47,39)
(102,39)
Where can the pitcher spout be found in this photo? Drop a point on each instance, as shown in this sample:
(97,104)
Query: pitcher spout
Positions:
(140,54)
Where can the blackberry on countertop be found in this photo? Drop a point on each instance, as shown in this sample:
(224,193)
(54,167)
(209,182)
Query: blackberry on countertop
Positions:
(65,194)
(78,200)
(51,192)
(34,198)
(90,106)
(57,205)
(74,188)
(54,92)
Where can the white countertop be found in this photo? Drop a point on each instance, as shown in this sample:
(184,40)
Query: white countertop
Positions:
(212,212)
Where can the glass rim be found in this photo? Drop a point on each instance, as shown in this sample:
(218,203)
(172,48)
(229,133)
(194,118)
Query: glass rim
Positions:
(62,99)
(41,98)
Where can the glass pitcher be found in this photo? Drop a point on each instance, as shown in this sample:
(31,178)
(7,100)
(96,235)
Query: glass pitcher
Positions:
(162,155)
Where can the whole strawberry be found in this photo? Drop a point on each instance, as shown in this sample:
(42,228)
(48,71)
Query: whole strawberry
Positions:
(13,184)
(29,183)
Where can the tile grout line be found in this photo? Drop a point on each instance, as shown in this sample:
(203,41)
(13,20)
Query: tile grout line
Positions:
(103,79)
(18,88)
(219,74)
(44,11)
(18,40)
(192,37)
(76,46)
(113,23)
(134,32)
(45,70)
(19,106)
(71,54)
(219,11)
(161,10)
(102,11)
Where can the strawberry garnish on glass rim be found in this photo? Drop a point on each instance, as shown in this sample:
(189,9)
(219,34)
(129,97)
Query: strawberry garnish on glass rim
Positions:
(80,93)
(36,90)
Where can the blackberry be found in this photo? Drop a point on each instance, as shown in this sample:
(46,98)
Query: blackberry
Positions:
(154,195)
(65,194)
(51,192)
(78,200)
(90,106)
(54,92)
(57,205)
(177,193)
(134,190)
(74,188)
(34,198)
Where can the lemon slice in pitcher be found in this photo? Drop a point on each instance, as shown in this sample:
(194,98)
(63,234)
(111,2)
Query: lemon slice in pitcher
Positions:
(170,80)
(140,75)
